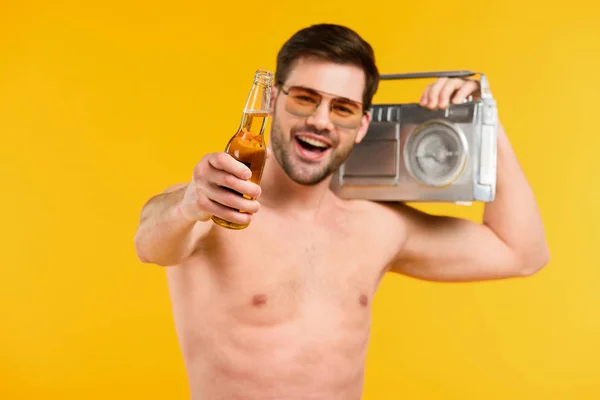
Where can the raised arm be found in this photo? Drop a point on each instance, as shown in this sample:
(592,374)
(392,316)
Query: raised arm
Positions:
(173,222)
(510,241)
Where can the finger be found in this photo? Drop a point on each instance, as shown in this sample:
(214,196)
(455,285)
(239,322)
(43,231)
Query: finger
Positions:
(434,92)
(230,181)
(231,199)
(425,96)
(233,215)
(450,87)
(268,152)
(226,213)
(470,87)
(227,163)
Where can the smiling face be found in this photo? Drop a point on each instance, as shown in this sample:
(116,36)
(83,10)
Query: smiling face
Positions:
(317,118)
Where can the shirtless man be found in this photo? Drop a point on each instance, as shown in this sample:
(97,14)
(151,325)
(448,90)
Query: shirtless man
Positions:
(281,309)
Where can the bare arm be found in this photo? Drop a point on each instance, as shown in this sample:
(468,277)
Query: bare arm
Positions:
(165,236)
(172,223)
(510,241)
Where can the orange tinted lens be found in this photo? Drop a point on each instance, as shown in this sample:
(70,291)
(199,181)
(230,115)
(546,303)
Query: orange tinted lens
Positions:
(302,102)
(345,113)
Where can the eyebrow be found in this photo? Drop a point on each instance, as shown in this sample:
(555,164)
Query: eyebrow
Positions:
(338,97)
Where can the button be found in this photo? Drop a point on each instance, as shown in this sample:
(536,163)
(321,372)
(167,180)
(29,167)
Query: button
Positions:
(390,114)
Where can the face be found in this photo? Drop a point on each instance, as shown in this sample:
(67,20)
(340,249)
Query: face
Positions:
(317,119)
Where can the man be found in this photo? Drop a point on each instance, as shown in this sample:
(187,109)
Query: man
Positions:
(281,309)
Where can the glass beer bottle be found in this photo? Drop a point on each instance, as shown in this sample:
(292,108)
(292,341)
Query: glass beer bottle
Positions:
(248,145)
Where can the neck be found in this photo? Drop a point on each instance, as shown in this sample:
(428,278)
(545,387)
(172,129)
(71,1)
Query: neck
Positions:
(279,191)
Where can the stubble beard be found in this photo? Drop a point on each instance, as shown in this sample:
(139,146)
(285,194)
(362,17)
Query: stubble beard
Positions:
(308,174)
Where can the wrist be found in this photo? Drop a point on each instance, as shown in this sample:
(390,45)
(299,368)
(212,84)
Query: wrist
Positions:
(188,214)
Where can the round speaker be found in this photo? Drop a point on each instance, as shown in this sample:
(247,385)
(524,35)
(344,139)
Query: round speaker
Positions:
(435,153)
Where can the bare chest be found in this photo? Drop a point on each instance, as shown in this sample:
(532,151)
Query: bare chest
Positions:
(271,273)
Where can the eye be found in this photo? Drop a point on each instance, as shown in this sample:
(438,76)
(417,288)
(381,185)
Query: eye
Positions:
(304,98)
(343,110)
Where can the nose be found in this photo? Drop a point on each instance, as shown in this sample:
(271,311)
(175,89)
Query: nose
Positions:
(320,117)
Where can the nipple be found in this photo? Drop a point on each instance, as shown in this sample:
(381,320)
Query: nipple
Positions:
(259,300)
(363,300)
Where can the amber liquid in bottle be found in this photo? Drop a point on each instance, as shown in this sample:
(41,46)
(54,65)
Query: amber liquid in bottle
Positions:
(248,145)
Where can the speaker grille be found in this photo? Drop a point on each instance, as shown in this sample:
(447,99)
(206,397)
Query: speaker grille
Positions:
(435,153)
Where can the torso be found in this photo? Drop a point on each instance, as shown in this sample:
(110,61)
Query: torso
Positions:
(282,309)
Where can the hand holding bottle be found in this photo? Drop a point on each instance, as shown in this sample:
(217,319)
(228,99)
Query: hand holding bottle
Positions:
(247,146)
(220,187)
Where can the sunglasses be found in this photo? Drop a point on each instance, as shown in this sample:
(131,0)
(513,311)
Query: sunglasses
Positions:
(343,112)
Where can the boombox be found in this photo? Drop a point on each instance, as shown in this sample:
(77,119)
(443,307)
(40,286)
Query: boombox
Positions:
(415,154)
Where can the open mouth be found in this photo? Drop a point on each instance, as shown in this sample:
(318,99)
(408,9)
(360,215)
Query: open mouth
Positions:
(311,148)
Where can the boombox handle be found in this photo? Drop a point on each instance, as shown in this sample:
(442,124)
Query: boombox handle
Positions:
(486,93)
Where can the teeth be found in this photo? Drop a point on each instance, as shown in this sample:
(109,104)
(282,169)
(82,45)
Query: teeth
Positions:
(313,142)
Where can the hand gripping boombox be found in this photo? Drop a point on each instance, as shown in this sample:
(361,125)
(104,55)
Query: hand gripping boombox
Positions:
(415,154)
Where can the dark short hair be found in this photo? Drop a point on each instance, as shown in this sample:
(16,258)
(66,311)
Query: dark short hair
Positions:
(330,42)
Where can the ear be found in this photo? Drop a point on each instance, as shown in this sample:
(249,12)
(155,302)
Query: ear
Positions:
(274,92)
(364,127)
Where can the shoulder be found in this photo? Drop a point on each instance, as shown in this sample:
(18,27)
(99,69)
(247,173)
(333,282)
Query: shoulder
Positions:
(377,219)
(390,212)
(379,229)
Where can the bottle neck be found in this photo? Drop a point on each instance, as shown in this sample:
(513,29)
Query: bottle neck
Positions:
(259,98)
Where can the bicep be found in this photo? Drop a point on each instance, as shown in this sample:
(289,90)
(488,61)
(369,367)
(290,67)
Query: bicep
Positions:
(444,248)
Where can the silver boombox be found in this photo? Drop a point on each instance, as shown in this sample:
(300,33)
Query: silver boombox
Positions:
(415,154)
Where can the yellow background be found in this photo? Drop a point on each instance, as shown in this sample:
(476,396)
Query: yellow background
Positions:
(104,104)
